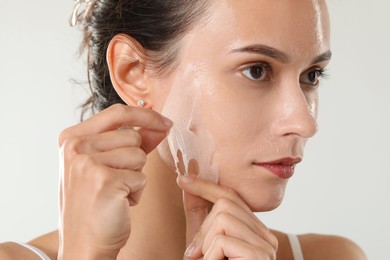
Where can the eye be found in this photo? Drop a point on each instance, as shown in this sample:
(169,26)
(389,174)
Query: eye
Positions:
(257,72)
(312,77)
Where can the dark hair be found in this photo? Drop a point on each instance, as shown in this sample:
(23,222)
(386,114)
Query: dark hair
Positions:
(157,25)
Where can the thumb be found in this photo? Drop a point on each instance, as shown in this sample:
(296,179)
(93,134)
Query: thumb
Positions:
(196,210)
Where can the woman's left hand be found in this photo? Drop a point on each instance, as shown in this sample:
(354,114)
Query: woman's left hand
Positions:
(230,231)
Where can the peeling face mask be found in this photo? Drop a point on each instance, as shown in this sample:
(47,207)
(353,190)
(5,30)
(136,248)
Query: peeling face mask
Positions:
(189,143)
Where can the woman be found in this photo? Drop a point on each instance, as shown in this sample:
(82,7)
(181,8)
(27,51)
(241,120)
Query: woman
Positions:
(238,81)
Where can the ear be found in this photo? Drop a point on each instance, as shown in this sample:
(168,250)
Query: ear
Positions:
(126,63)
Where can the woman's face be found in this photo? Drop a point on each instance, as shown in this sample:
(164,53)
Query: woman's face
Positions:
(244,96)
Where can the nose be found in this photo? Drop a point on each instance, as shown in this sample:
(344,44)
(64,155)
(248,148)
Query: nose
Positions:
(296,114)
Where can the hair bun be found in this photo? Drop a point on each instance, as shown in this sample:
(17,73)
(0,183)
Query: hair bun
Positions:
(81,12)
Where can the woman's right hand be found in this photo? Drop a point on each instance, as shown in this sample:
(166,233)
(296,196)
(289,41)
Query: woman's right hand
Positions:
(101,177)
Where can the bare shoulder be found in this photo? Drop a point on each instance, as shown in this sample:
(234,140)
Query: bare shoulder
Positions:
(322,247)
(48,243)
(12,251)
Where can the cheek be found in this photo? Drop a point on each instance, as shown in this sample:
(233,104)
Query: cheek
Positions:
(236,119)
(189,147)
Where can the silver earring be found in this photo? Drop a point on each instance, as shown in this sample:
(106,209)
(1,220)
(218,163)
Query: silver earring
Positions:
(141,103)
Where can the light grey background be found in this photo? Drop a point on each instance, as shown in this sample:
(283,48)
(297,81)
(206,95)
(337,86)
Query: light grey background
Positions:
(341,188)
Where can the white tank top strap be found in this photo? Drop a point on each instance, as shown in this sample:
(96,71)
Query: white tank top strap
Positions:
(37,251)
(295,246)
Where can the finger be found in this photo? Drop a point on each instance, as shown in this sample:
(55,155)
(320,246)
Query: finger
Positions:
(227,247)
(116,139)
(224,206)
(196,210)
(210,191)
(118,116)
(228,225)
(213,193)
(99,180)
(151,138)
(131,158)
(123,183)
(106,141)
(131,183)
(223,224)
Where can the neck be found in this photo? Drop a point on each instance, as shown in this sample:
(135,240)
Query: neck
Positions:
(158,221)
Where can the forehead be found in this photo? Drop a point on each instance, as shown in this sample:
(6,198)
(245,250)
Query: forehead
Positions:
(297,27)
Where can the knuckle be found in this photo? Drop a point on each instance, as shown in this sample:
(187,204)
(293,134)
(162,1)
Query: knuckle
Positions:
(78,169)
(89,171)
(65,135)
(86,173)
(102,179)
(218,240)
(84,163)
(223,204)
(62,137)
(71,145)
(268,253)
(222,218)
(271,238)
(271,255)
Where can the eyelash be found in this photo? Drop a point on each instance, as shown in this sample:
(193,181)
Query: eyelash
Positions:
(322,73)
(266,69)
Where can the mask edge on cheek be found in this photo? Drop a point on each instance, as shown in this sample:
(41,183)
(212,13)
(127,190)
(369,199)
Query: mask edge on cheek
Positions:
(188,135)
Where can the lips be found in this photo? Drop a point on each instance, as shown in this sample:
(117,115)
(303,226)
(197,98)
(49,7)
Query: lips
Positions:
(283,168)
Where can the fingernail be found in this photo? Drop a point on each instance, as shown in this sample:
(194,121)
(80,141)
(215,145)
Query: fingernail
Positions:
(190,250)
(167,121)
(185,179)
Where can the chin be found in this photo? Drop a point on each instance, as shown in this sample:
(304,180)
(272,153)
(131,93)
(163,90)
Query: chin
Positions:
(265,207)
(263,199)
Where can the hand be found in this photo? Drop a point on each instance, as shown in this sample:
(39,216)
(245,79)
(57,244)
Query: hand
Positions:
(229,231)
(101,178)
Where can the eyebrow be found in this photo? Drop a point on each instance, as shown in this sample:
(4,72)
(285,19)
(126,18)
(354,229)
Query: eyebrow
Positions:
(323,57)
(276,54)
